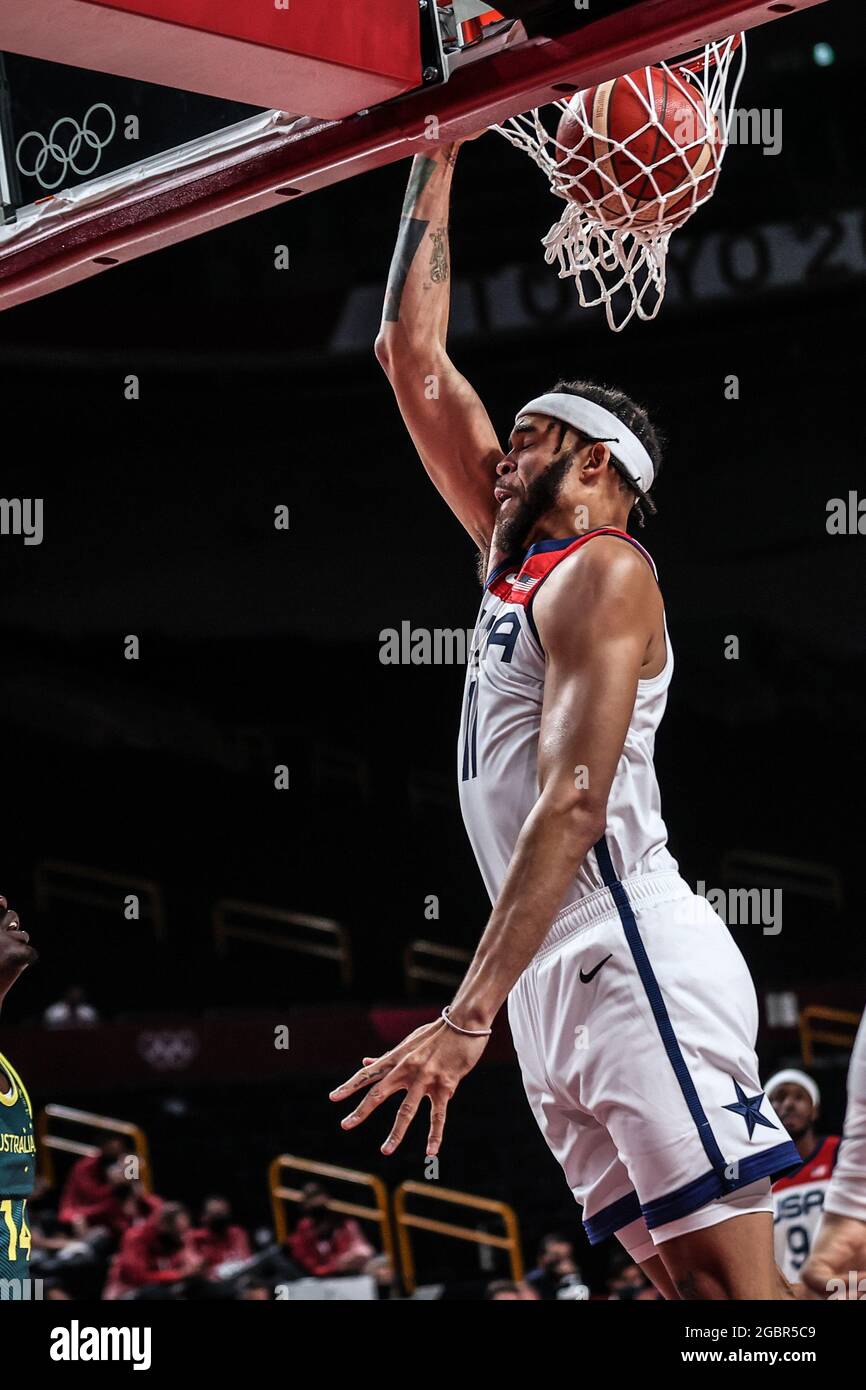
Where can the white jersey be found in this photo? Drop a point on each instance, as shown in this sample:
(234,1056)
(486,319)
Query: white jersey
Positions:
(497,762)
(798,1201)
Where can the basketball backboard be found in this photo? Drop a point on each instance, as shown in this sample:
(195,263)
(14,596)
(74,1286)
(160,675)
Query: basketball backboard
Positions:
(129,125)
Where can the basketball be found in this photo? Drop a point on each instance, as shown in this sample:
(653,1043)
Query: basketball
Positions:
(642,150)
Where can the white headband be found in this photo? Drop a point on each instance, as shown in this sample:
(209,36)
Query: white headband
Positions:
(795,1078)
(598,423)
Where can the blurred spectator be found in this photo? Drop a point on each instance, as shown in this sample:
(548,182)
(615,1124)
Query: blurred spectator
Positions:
(381,1269)
(254,1291)
(556,1274)
(88,1188)
(72,1011)
(217,1240)
(510,1290)
(528,1293)
(324,1242)
(502,1291)
(154,1253)
(97,1193)
(650,1294)
(628,1282)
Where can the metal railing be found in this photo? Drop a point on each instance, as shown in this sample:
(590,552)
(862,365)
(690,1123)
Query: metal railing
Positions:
(820,881)
(404,1221)
(332,940)
(84,890)
(415,970)
(280,1194)
(811,1031)
(49,1142)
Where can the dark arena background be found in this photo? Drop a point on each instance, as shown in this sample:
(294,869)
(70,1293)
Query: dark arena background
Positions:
(166,649)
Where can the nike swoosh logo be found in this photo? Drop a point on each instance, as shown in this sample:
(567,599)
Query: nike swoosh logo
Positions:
(585,979)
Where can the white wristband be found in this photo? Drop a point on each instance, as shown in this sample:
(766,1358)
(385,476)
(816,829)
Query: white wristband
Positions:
(467,1032)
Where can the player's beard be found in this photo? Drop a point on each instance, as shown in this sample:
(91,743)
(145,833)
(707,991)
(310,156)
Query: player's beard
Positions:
(797,1130)
(512,533)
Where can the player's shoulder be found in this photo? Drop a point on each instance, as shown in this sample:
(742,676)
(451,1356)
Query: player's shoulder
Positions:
(598,591)
(604,568)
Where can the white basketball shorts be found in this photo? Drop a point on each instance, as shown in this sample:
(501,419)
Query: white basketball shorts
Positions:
(635,1027)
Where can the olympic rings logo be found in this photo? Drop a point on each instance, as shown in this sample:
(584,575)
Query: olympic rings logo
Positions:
(168,1050)
(80,138)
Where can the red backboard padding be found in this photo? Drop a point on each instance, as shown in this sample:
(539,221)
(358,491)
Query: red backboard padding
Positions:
(380,37)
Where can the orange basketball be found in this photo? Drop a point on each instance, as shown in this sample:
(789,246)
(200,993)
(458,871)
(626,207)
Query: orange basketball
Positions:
(639,142)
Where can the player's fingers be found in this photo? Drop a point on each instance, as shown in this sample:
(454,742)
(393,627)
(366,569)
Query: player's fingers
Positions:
(404,1117)
(367,1076)
(839,1282)
(386,1063)
(373,1099)
(819,1273)
(834,1254)
(438,1107)
(9,919)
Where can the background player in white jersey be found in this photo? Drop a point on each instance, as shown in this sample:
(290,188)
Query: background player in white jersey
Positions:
(836,1266)
(798,1199)
(632,1011)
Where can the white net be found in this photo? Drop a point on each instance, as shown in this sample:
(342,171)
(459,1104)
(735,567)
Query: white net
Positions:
(632,159)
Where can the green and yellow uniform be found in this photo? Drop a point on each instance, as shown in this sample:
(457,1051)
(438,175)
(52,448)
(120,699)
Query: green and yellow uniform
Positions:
(17,1172)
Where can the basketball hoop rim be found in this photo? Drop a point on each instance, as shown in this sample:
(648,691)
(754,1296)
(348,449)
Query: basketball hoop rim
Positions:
(694,64)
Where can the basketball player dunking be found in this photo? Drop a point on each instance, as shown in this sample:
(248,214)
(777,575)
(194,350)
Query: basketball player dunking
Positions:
(632,1011)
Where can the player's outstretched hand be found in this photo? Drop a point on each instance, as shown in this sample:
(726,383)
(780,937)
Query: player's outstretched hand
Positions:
(430,1062)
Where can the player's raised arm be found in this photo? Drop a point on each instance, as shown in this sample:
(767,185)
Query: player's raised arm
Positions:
(448,423)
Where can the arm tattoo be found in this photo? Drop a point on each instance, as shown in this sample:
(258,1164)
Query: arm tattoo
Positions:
(412,232)
(439,257)
(418,181)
